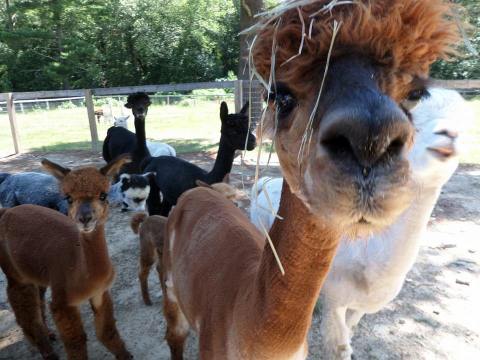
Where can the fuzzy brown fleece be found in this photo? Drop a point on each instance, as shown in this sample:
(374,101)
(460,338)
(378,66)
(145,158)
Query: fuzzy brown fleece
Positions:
(151,230)
(404,37)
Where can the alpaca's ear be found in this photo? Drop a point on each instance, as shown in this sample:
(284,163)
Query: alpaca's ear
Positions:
(245,108)
(114,166)
(150,176)
(200,183)
(56,170)
(124,178)
(226,179)
(223,111)
(128,105)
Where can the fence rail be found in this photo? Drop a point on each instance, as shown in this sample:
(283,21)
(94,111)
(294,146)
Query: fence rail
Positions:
(243,91)
(458,84)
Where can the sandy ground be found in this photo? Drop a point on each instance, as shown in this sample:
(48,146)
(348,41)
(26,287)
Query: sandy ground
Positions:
(435,316)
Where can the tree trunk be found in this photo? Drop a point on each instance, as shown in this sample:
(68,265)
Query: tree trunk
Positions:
(8,17)
(135,58)
(57,7)
(248,9)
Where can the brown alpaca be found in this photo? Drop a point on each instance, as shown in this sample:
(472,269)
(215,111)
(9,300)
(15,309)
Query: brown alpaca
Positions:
(226,189)
(42,248)
(151,230)
(343,156)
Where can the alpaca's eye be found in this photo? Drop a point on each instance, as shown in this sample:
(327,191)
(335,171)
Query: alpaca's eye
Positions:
(414,98)
(285,103)
(69,199)
(283,99)
(103,196)
(418,94)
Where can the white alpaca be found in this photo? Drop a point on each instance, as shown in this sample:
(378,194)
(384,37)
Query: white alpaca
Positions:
(121,121)
(368,273)
(155,148)
(160,149)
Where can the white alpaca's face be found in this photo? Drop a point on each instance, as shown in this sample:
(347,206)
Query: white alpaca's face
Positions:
(121,121)
(439,121)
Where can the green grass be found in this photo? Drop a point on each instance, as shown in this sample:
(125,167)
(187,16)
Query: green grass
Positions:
(186,128)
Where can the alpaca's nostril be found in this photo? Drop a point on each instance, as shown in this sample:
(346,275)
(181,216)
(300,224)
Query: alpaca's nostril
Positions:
(395,147)
(452,134)
(366,140)
(338,146)
(86,218)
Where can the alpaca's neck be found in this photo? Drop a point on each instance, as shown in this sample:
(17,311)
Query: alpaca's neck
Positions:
(281,307)
(141,151)
(401,241)
(223,162)
(95,250)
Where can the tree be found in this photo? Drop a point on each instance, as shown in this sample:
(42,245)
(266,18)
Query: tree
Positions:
(248,9)
(54,44)
(467,66)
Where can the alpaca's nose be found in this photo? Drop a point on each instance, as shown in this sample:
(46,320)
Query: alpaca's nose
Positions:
(367,135)
(85,215)
(85,218)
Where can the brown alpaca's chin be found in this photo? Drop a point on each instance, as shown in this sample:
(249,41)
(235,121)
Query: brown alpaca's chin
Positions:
(359,206)
(87,228)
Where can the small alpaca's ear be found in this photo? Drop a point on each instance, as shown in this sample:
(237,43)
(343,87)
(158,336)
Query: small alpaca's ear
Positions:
(226,179)
(150,176)
(223,111)
(124,178)
(245,108)
(114,166)
(200,183)
(56,170)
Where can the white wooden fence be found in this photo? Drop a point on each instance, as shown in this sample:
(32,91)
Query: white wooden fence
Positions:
(240,87)
(242,94)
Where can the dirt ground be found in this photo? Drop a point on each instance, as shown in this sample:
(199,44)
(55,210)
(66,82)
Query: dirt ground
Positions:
(435,316)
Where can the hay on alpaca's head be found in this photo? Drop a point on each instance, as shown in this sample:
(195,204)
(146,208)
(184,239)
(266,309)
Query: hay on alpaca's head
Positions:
(404,36)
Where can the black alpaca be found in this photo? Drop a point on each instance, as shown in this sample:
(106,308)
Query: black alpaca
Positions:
(174,176)
(120,140)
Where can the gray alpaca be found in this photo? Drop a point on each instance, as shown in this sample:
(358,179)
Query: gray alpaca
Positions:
(31,188)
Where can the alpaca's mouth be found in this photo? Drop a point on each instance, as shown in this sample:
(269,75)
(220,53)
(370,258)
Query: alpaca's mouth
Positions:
(364,221)
(443,152)
(87,228)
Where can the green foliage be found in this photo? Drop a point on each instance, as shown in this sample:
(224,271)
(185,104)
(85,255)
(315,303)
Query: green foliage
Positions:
(67,105)
(468,65)
(62,44)
(54,44)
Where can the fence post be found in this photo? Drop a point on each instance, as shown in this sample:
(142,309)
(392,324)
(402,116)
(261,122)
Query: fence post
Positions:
(12,116)
(238,95)
(91,119)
